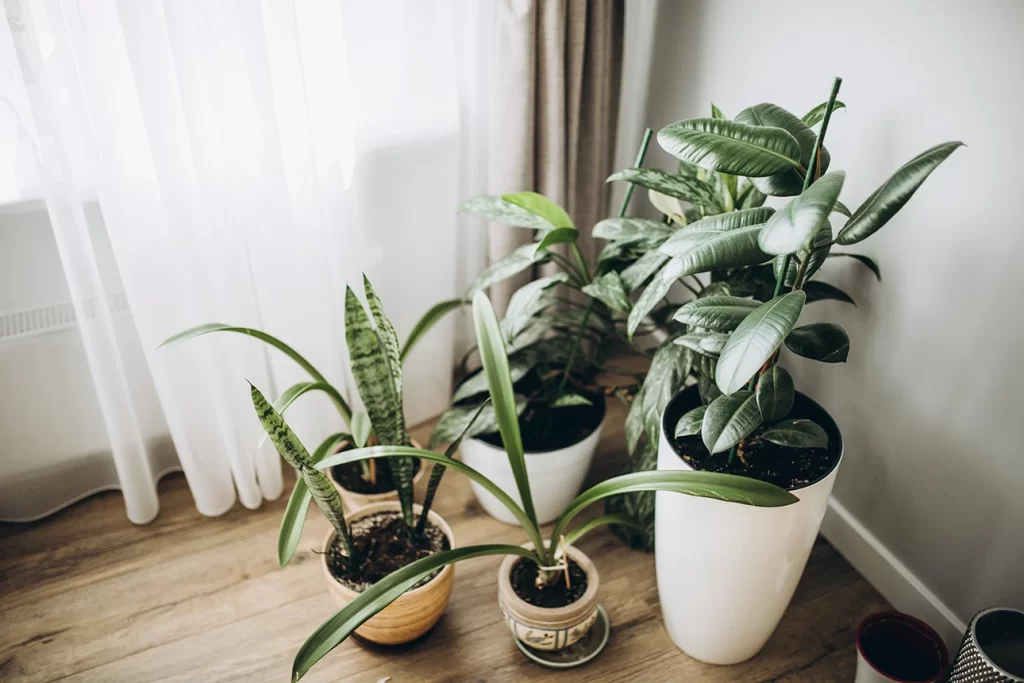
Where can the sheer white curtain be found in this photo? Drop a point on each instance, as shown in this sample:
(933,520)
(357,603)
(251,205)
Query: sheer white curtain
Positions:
(246,160)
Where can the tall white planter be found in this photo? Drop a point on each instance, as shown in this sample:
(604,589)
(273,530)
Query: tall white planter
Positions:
(555,476)
(727,572)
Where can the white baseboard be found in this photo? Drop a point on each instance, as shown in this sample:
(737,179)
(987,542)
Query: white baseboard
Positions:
(888,575)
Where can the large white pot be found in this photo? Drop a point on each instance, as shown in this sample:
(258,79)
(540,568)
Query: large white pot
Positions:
(727,572)
(555,476)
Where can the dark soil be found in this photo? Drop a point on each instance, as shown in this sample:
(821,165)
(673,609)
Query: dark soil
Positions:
(382,545)
(901,650)
(788,468)
(524,575)
(350,477)
(551,429)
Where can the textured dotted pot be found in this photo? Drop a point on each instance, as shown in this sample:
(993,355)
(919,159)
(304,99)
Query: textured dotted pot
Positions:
(555,476)
(544,628)
(355,501)
(726,572)
(412,614)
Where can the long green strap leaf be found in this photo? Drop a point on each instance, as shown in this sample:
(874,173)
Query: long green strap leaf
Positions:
(617,518)
(292,393)
(429,319)
(332,632)
(298,503)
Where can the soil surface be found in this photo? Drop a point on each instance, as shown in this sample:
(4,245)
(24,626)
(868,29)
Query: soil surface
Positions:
(788,468)
(550,429)
(382,545)
(524,575)
(350,477)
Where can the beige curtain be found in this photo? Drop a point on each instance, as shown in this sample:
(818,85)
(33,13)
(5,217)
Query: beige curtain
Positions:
(555,110)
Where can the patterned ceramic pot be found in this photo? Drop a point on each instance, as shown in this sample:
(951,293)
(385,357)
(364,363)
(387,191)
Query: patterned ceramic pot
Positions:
(413,613)
(548,628)
(355,501)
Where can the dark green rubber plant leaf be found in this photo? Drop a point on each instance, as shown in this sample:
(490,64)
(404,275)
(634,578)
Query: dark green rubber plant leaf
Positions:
(433,316)
(540,206)
(729,420)
(841,209)
(706,250)
(814,116)
(789,181)
(687,188)
(690,423)
(821,245)
(716,113)
(868,262)
(817,290)
(796,434)
(756,339)
(893,195)
(775,393)
(721,313)
(498,210)
(731,147)
(609,290)
(748,196)
(794,225)
(704,342)
(825,342)
(724,222)
(504,268)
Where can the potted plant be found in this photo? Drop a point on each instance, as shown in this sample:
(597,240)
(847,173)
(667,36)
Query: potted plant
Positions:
(384,420)
(536,571)
(684,197)
(721,601)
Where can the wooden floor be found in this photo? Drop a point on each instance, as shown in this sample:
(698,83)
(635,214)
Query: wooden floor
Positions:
(87,596)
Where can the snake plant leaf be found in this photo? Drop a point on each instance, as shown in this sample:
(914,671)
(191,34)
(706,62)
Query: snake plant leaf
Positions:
(797,434)
(756,339)
(295,454)
(867,261)
(814,116)
(670,206)
(729,420)
(690,423)
(893,195)
(792,228)
(789,181)
(526,302)
(634,230)
(641,270)
(335,630)
(556,237)
(497,210)
(610,290)
(464,420)
(292,393)
(298,503)
(499,383)
(729,488)
(731,146)
(775,393)
(655,292)
(841,209)
(817,290)
(387,335)
(720,313)
(433,316)
(360,428)
(690,189)
(569,400)
(504,268)
(825,342)
(541,206)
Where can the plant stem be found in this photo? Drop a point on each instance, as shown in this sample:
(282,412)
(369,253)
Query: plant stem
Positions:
(636,164)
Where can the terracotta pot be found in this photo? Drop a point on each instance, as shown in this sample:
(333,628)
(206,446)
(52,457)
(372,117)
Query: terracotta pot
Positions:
(412,614)
(357,501)
(545,628)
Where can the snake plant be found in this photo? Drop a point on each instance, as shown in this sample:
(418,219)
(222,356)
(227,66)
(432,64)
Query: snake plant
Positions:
(545,552)
(376,365)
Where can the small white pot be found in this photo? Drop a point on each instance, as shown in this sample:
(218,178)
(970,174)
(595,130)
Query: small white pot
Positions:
(726,572)
(555,476)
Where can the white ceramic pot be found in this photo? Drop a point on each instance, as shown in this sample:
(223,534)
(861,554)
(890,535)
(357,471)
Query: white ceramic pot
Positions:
(726,572)
(555,476)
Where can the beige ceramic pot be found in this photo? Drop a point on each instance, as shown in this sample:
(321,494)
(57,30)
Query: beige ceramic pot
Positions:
(543,628)
(412,614)
(356,501)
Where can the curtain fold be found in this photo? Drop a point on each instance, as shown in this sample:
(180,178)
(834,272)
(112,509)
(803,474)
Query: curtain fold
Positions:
(559,66)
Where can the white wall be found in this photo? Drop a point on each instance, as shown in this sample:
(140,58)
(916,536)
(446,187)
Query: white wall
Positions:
(931,402)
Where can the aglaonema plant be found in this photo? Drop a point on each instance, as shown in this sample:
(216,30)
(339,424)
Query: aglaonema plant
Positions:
(545,552)
(740,337)
(376,363)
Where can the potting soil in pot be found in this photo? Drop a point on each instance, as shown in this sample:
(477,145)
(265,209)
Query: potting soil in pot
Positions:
(552,429)
(350,477)
(524,575)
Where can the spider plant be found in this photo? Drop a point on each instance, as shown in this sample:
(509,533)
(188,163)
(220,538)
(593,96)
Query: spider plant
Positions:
(546,553)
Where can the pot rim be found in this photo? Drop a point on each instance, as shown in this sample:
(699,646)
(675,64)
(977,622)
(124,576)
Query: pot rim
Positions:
(597,430)
(927,630)
(973,630)
(387,506)
(665,431)
(554,617)
(374,498)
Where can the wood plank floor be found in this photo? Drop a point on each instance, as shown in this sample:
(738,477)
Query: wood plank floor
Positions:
(89,597)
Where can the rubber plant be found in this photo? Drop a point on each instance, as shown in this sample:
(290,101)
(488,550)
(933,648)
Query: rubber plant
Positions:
(376,364)
(685,198)
(497,371)
(740,338)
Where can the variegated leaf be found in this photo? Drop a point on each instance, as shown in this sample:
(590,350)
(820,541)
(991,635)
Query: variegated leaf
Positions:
(504,268)
(459,420)
(386,332)
(498,210)
(528,301)
(642,269)
(569,400)
(610,290)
